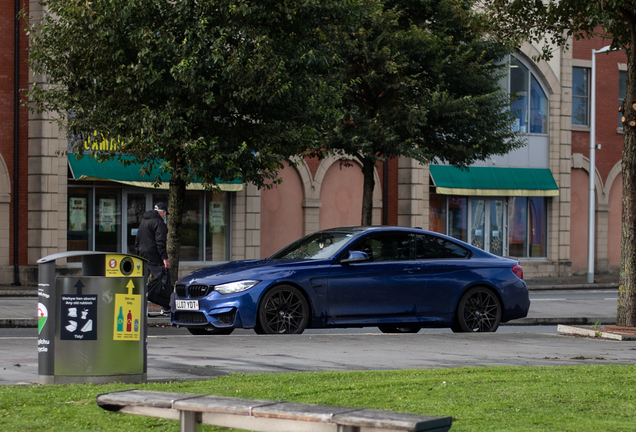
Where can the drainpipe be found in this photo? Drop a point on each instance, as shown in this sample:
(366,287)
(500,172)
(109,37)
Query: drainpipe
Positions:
(385,193)
(16,146)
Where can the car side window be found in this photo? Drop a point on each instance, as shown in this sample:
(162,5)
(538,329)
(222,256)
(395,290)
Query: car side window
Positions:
(431,247)
(387,246)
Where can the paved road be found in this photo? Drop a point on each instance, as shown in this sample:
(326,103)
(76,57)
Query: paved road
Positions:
(547,308)
(178,357)
(174,354)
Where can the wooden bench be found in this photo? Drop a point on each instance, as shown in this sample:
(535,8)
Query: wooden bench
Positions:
(193,410)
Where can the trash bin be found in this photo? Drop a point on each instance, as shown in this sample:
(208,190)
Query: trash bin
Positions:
(92,327)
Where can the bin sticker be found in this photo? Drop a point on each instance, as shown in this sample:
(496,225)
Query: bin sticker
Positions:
(123,266)
(127,315)
(79,317)
(43,314)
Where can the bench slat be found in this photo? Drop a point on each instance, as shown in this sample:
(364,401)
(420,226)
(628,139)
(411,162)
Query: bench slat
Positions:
(221,404)
(264,415)
(390,419)
(142,398)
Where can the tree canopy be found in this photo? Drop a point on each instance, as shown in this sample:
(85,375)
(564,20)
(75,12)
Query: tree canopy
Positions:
(425,86)
(210,90)
(552,24)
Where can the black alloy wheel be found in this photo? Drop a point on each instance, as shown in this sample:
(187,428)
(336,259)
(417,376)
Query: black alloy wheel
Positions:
(479,310)
(399,328)
(283,310)
(206,331)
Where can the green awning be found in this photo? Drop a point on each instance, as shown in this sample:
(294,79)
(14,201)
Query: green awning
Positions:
(493,181)
(89,169)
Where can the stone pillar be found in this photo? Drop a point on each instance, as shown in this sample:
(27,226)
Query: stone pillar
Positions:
(412,193)
(246,224)
(47,181)
(311,215)
(561,166)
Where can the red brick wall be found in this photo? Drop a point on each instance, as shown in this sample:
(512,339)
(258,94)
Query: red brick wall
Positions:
(607,135)
(7,79)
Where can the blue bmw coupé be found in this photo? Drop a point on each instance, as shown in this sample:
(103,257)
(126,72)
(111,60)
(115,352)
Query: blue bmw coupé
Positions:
(398,279)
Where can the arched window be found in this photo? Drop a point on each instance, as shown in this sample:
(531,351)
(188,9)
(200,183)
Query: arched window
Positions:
(530,102)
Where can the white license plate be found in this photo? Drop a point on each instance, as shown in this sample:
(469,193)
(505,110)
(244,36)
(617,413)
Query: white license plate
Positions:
(187,304)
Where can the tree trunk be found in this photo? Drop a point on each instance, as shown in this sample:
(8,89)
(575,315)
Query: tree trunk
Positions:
(368,171)
(626,309)
(176,200)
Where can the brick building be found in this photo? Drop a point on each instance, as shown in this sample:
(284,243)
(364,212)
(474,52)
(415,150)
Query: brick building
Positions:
(13,143)
(530,204)
(610,91)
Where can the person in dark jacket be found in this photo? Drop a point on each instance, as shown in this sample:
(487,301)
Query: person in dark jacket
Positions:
(151,241)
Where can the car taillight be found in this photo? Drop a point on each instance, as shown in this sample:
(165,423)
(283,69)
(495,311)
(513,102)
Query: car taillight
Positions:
(518,270)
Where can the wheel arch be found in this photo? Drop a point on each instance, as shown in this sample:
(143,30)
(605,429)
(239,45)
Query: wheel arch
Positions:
(299,288)
(480,284)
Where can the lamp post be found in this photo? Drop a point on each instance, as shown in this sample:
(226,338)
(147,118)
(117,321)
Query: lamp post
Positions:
(592,173)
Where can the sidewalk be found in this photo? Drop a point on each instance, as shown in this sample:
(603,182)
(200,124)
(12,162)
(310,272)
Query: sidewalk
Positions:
(18,305)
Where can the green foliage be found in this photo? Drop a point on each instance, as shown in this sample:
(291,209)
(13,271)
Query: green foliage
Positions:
(217,89)
(577,398)
(551,23)
(424,85)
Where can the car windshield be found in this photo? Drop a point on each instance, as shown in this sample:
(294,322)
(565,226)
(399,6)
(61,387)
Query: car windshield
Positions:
(315,246)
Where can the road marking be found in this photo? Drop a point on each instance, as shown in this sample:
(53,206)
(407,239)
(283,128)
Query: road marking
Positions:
(549,299)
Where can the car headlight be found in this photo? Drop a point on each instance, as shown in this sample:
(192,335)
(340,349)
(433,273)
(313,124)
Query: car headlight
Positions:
(234,287)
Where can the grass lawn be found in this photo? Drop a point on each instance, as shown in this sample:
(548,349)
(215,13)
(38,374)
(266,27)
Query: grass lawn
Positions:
(560,398)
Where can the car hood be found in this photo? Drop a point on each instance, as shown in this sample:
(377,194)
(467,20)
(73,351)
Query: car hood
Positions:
(244,270)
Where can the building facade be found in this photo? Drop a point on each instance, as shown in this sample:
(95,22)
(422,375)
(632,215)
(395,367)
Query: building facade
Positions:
(530,204)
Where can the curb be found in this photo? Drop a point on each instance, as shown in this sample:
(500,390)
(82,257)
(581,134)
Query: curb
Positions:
(567,287)
(165,322)
(596,333)
(570,287)
(565,321)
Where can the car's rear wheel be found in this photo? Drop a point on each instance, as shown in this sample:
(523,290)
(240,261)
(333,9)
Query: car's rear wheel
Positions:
(283,310)
(399,329)
(204,331)
(479,310)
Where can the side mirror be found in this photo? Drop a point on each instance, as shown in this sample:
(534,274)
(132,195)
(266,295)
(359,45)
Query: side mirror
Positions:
(355,256)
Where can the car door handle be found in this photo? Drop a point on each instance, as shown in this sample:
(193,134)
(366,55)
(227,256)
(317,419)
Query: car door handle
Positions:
(412,269)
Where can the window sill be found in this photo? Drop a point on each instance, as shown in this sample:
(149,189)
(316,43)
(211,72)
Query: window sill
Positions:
(580,128)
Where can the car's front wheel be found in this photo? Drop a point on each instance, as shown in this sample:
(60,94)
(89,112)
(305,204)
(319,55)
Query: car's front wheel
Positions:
(479,310)
(283,310)
(399,329)
(204,331)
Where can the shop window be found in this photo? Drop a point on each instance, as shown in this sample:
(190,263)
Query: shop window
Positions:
(512,226)
(580,96)
(518,226)
(79,236)
(457,217)
(537,226)
(217,228)
(437,213)
(192,227)
(108,219)
(135,209)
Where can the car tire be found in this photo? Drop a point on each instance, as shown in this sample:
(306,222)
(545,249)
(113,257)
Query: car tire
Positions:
(399,329)
(208,331)
(283,310)
(479,310)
